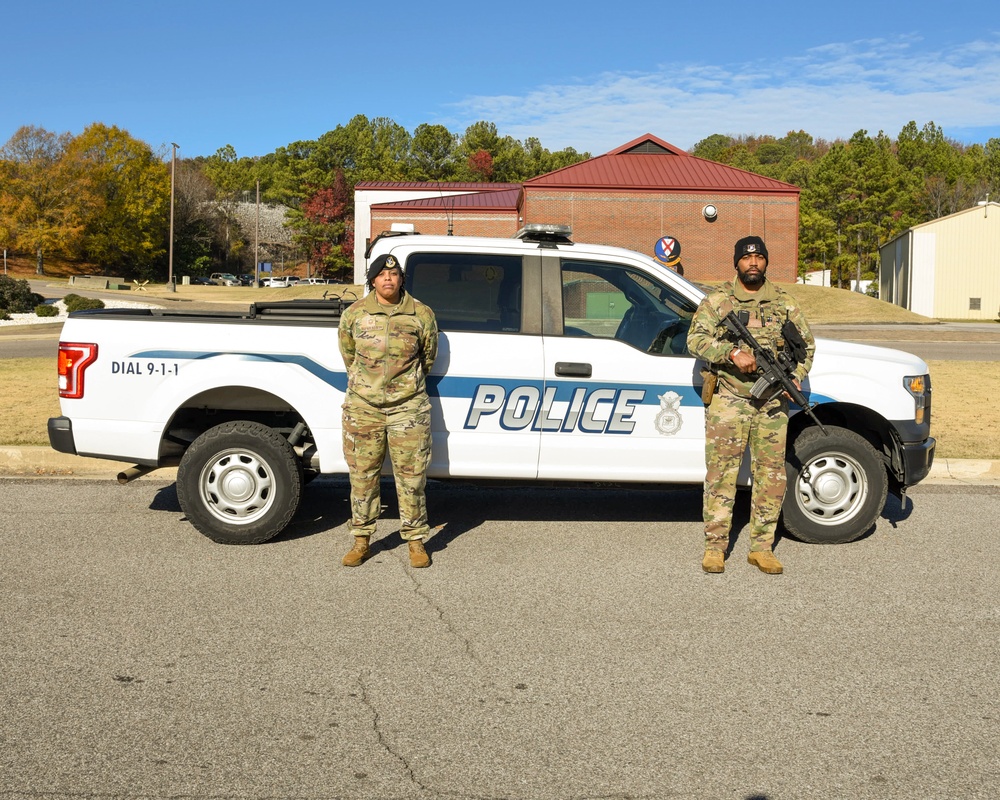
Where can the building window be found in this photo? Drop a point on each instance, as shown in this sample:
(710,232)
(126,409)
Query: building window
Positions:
(975,304)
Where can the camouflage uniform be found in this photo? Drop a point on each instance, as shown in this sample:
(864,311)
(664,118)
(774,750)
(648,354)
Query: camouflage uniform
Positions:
(389,351)
(734,421)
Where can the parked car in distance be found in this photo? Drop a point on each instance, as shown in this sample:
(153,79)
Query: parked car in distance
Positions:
(277,283)
(316,281)
(199,280)
(224,279)
(246,279)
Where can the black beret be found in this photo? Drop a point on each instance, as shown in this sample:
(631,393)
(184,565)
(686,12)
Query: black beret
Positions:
(381,263)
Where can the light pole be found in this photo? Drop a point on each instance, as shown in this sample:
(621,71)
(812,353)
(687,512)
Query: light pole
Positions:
(256,240)
(170,250)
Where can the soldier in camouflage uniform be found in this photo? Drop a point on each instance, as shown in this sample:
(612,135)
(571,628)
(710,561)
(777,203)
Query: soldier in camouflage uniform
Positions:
(389,342)
(735,421)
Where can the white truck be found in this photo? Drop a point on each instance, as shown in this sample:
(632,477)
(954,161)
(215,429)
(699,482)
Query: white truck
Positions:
(559,362)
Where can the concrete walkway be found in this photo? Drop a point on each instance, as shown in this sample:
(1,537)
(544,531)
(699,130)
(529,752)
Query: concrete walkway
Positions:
(44,462)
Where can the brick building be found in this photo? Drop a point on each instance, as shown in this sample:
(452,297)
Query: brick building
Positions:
(630,197)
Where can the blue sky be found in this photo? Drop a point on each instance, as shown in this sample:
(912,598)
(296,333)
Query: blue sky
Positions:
(585,75)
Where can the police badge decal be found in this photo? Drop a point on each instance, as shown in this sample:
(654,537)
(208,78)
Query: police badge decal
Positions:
(669,420)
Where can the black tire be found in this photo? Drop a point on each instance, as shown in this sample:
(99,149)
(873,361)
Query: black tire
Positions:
(240,483)
(837,486)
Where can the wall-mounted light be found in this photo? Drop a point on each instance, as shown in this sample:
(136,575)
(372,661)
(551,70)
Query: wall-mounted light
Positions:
(710,212)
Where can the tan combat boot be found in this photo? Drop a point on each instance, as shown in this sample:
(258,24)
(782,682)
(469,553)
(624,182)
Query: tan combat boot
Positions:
(714,561)
(357,554)
(418,556)
(765,561)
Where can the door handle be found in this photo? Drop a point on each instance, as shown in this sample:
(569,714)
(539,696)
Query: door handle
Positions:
(573,369)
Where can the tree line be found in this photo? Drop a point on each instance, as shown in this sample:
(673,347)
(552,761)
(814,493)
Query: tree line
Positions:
(861,192)
(103,197)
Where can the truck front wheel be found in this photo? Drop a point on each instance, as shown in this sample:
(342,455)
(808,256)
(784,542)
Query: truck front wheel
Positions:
(837,486)
(240,483)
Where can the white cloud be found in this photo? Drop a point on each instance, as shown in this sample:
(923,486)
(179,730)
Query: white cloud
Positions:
(829,91)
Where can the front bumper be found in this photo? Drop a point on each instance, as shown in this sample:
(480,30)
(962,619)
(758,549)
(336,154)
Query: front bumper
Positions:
(916,461)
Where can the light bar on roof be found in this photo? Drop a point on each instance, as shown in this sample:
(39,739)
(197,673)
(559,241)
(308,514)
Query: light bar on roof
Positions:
(536,230)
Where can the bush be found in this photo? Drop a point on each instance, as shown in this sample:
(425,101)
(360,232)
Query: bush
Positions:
(46,310)
(202,266)
(16,297)
(76,303)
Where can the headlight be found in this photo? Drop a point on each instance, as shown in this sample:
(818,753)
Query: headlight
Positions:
(919,386)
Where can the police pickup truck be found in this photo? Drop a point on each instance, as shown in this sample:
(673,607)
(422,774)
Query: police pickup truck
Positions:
(558,362)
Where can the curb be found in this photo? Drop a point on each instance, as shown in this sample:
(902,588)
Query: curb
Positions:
(964,471)
(44,462)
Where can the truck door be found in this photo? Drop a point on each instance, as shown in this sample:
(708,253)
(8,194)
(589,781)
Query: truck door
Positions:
(487,380)
(619,397)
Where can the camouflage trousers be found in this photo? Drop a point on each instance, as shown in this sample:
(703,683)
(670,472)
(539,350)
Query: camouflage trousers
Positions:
(405,431)
(732,425)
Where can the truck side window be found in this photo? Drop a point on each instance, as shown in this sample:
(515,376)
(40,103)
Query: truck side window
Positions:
(468,292)
(611,301)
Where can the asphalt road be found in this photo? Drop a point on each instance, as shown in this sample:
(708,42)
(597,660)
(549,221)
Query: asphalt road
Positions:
(943,351)
(947,341)
(564,644)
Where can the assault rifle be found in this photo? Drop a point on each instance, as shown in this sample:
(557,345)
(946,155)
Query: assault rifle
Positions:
(776,372)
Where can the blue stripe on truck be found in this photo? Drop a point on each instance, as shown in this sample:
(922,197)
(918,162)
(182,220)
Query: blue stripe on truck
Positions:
(437,385)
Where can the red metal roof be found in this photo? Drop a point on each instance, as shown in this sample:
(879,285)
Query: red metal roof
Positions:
(452,186)
(649,163)
(489,200)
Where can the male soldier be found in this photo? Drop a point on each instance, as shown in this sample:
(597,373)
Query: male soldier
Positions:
(389,342)
(733,419)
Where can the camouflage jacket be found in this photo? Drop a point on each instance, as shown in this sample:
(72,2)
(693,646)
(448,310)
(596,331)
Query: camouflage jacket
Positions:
(768,307)
(388,350)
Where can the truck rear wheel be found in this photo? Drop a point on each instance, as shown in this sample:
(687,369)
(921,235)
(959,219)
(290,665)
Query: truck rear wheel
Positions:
(240,483)
(837,486)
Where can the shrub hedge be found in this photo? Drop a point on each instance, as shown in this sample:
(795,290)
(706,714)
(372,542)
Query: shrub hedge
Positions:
(76,303)
(16,297)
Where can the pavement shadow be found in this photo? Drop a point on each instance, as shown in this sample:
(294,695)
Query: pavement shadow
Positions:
(894,512)
(455,509)
(325,506)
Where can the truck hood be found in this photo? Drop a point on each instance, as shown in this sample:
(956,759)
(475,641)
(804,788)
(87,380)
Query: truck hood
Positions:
(835,348)
(836,376)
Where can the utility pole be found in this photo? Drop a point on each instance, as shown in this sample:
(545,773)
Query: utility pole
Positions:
(171,287)
(256,240)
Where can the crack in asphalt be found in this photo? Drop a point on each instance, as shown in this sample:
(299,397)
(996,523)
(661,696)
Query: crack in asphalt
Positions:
(418,589)
(366,701)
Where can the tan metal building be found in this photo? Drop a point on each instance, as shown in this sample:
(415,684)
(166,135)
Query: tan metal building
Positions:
(948,268)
